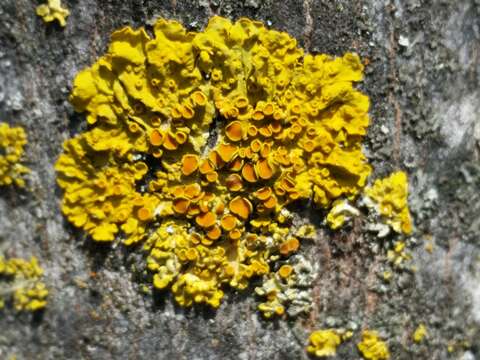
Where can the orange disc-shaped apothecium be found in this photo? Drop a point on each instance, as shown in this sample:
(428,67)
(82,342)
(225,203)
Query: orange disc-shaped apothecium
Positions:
(180,205)
(285,271)
(241,102)
(189,164)
(212,176)
(309,146)
(264,170)
(214,233)
(178,191)
(226,151)
(192,191)
(258,115)
(256,145)
(206,220)
(252,131)
(199,98)
(289,246)
(268,109)
(264,193)
(229,222)
(265,131)
(215,159)
(206,167)
(234,182)
(156,138)
(235,234)
(236,164)
(248,173)
(181,137)
(271,202)
(241,206)
(170,142)
(187,112)
(234,131)
(144,214)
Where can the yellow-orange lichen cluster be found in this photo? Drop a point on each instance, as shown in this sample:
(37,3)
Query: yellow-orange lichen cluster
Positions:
(22,279)
(324,342)
(372,346)
(389,198)
(198,142)
(12,143)
(53,10)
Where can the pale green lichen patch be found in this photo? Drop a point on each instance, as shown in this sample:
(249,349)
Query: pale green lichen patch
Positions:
(289,289)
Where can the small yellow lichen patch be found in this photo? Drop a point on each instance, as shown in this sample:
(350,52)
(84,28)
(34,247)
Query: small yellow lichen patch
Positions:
(340,212)
(372,347)
(324,343)
(22,279)
(398,255)
(389,197)
(12,142)
(53,10)
(420,333)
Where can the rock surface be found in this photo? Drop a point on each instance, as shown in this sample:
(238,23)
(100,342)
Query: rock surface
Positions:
(423,78)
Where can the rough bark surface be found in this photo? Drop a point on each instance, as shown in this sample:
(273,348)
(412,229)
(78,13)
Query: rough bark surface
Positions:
(423,79)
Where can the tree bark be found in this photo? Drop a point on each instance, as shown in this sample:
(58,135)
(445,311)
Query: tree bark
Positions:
(422,77)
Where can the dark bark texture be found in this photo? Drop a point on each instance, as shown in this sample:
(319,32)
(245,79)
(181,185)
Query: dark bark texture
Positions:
(423,79)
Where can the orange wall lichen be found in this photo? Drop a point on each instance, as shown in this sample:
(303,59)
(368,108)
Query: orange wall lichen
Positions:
(209,209)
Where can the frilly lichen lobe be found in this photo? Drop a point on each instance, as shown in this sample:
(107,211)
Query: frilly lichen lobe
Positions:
(389,198)
(324,342)
(372,346)
(53,10)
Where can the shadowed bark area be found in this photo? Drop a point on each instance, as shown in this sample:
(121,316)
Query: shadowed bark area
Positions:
(422,77)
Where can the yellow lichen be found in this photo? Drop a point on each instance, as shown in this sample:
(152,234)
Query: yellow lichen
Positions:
(372,347)
(420,333)
(324,343)
(398,255)
(12,143)
(53,10)
(22,279)
(209,210)
(287,290)
(389,197)
(340,212)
